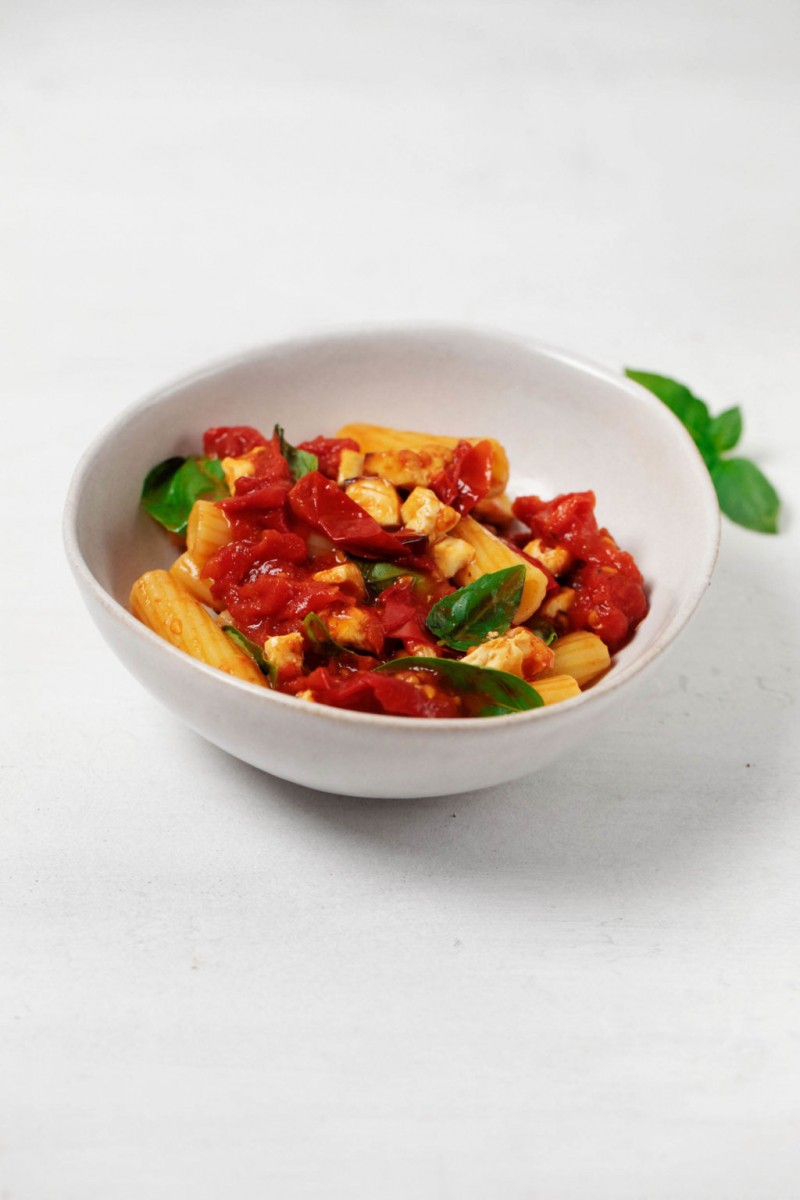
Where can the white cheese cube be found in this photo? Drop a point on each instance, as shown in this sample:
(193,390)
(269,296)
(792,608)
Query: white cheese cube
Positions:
(351,465)
(378,497)
(519,652)
(556,558)
(285,653)
(451,555)
(346,576)
(424,513)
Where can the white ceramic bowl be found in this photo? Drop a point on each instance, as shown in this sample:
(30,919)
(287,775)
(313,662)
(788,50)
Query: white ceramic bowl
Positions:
(567,425)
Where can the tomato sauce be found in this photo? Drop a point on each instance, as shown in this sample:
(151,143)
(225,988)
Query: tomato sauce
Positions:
(609,590)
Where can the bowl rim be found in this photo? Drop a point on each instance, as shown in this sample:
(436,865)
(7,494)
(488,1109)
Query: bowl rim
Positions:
(611,682)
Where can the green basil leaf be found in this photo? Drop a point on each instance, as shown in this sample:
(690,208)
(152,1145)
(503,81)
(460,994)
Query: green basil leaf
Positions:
(544,630)
(503,693)
(171,488)
(380,575)
(487,605)
(320,637)
(726,429)
(252,650)
(691,411)
(301,462)
(746,495)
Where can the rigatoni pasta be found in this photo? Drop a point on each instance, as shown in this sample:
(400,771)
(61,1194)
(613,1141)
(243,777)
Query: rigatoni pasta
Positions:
(385,571)
(170,611)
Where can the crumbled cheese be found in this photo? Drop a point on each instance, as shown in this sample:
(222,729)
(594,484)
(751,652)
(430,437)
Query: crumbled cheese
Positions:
(452,554)
(378,497)
(424,513)
(559,603)
(346,576)
(356,628)
(351,465)
(556,558)
(285,653)
(519,652)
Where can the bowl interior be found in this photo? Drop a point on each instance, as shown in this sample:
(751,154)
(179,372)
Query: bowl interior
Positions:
(567,426)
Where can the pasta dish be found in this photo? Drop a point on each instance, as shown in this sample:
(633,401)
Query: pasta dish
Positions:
(384,571)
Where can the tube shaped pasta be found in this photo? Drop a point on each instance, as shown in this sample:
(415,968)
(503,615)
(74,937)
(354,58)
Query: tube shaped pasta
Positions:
(165,607)
(493,555)
(186,572)
(582,655)
(374,438)
(556,688)
(208,530)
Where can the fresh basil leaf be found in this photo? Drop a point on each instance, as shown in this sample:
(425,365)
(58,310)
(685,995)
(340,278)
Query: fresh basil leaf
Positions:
(252,650)
(380,575)
(544,630)
(320,637)
(503,693)
(171,488)
(746,495)
(487,605)
(690,411)
(726,429)
(301,462)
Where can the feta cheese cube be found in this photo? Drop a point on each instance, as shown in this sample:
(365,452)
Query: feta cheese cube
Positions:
(378,497)
(424,513)
(451,555)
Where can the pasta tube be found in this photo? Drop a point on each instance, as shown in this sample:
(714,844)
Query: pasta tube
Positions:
(208,530)
(582,655)
(186,572)
(556,688)
(165,607)
(493,555)
(374,438)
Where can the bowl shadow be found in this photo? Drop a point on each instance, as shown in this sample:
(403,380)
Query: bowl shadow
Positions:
(639,806)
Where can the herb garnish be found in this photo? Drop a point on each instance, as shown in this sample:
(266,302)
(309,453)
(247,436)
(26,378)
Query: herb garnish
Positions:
(301,462)
(744,492)
(171,488)
(487,605)
(504,693)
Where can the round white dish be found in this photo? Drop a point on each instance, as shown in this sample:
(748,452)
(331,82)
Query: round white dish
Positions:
(567,425)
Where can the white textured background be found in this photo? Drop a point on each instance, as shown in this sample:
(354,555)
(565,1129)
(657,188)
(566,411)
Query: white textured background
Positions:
(583,986)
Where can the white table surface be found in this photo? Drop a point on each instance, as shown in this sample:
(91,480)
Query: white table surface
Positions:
(581,985)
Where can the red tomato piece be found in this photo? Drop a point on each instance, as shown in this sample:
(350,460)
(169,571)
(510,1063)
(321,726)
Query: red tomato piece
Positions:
(322,504)
(366,691)
(269,464)
(232,562)
(467,478)
(329,452)
(255,496)
(403,611)
(608,602)
(231,441)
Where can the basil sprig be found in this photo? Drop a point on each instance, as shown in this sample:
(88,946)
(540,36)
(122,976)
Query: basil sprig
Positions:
(501,692)
(380,575)
(744,492)
(301,462)
(487,605)
(252,650)
(171,488)
(320,636)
